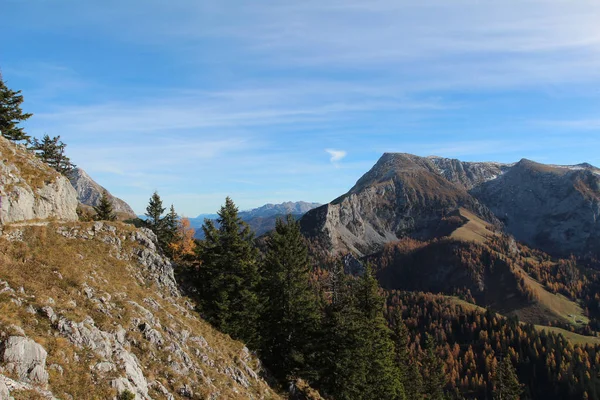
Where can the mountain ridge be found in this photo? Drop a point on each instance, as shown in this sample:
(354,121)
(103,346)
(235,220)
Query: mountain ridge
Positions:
(408,195)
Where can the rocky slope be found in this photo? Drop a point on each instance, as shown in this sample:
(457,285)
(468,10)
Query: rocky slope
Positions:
(31,190)
(92,311)
(553,208)
(89,193)
(402,195)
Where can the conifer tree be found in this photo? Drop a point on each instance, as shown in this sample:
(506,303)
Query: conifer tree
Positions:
(435,380)
(414,382)
(104,210)
(170,226)
(382,377)
(52,152)
(342,366)
(183,245)
(289,315)
(401,355)
(163,227)
(506,383)
(229,276)
(154,212)
(11,114)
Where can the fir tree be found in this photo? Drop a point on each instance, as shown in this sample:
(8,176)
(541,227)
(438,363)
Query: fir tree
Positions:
(290,315)
(342,365)
(435,380)
(170,226)
(104,210)
(401,339)
(506,383)
(154,212)
(229,276)
(382,378)
(414,382)
(11,114)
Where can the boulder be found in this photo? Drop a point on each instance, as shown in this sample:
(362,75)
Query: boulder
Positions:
(25,358)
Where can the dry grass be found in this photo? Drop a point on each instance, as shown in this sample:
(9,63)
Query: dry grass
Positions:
(475,229)
(573,337)
(566,310)
(30,169)
(52,270)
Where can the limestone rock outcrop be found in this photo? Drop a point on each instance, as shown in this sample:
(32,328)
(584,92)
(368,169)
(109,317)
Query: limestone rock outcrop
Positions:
(89,192)
(32,190)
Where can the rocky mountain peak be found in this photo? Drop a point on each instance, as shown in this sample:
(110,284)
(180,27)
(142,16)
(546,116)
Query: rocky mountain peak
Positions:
(89,192)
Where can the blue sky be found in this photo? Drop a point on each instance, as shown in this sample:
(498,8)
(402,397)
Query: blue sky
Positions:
(269,101)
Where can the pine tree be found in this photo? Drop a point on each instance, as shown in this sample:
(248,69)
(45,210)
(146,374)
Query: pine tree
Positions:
(229,275)
(104,210)
(435,380)
(11,114)
(289,315)
(382,378)
(52,152)
(506,383)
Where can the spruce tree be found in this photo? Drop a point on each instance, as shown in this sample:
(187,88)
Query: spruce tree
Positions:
(414,382)
(170,226)
(229,275)
(382,377)
(401,355)
(11,114)
(289,315)
(435,380)
(342,365)
(506,383)
(104,210)
(154,212)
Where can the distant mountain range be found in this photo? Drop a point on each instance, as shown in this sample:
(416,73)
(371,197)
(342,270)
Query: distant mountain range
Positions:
(261,219)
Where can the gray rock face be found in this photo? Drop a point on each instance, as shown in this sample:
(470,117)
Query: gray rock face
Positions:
(468,174)
(24,199)
(4,393)
(402,195)
(89,192)
(556,209)
(25,358)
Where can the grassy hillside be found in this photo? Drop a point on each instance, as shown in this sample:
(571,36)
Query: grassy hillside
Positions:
(82,290)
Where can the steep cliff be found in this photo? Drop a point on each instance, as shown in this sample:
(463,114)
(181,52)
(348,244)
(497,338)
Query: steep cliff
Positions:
(32,190)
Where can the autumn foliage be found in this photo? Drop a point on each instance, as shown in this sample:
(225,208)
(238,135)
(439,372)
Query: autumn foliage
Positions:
(183,244)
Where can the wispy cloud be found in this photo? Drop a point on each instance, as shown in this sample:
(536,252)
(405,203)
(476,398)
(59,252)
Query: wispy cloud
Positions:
(580,124)
(336,155)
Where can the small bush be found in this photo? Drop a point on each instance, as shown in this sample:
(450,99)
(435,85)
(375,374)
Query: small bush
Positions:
(126,395)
